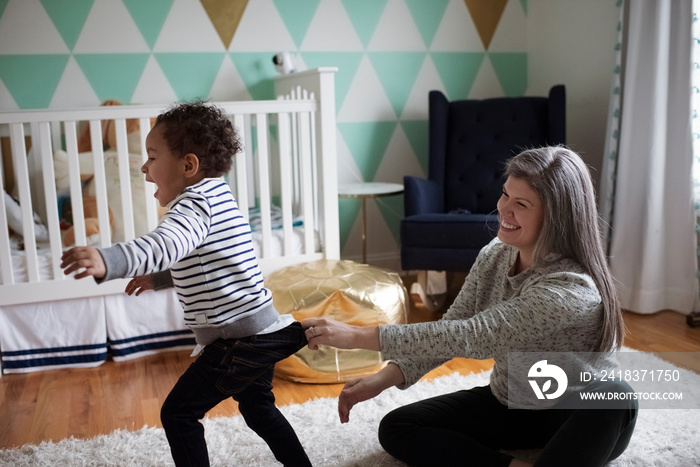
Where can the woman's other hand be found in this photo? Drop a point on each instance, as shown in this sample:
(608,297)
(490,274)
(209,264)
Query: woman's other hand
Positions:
(359,390)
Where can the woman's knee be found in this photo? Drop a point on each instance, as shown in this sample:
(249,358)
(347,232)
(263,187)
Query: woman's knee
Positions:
(625,420)
(393,427)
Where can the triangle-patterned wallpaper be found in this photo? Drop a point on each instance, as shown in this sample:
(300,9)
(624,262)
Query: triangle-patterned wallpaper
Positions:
(390,53)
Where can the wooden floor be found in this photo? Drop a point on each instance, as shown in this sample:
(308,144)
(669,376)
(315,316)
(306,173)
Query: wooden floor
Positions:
(56,404)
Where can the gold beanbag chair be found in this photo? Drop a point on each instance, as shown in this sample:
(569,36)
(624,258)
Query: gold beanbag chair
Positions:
(346,291)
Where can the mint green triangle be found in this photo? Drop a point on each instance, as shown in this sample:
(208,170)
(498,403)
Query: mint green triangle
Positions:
(256,70)
(297,16)
(149,17)
(32,79)
(427,16)
(69,17)
(417,133)
(523,5)
(511,70)
(191,75)
(113,76)
(397,72)
(457,71)
(347,64)
(392,211)
(3,4)
(364,15)
(348,210)
(367,142)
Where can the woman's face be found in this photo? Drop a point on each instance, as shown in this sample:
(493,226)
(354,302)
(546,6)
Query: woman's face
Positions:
(521,216)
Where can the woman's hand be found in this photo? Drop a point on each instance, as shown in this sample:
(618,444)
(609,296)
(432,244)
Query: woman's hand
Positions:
(359,390)
(86,257)
(321,331)
(139,285)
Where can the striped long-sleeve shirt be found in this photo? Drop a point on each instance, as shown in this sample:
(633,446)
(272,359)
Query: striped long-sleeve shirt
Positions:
(206,244)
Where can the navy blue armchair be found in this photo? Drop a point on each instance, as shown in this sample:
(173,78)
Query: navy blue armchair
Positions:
(450,216)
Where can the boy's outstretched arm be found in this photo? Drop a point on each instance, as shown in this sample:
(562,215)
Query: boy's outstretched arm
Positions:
(86,257)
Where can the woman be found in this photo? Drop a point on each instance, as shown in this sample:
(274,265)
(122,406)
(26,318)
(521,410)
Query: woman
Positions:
(542,286)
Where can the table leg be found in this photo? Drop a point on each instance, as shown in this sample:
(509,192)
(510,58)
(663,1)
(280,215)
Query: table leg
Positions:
(364,230)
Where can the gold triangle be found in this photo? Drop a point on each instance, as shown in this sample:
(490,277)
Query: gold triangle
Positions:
(486,14)
(225,16)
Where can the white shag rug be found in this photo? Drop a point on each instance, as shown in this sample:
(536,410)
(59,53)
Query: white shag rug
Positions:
(663,437)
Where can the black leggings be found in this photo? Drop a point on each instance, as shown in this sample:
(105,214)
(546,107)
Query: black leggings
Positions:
(473,426)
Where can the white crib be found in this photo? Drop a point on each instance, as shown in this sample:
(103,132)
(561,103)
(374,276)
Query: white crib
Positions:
(285,181)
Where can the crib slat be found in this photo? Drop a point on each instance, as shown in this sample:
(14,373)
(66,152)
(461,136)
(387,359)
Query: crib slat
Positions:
(125,179)
(51,199)
(56,134)
(240,165)
(6,274)
(264,183)
(249,185)
(19,158)
(76,190)
(36,182)
(100,183)
(285,159)
(306,182)
(295,163)
(315,176)
(151,207)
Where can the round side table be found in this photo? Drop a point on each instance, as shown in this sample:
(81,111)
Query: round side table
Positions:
(363,191)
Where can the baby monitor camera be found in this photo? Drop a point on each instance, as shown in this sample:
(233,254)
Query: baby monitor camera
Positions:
(284,63)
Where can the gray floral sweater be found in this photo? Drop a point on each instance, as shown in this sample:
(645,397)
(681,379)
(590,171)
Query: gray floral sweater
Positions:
(550,308)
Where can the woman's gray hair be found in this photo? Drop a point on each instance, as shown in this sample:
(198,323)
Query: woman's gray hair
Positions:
(571,223)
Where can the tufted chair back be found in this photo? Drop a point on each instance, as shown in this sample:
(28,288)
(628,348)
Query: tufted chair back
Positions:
(451,215)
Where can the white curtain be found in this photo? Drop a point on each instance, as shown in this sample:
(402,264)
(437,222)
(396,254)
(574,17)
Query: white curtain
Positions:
(652,240)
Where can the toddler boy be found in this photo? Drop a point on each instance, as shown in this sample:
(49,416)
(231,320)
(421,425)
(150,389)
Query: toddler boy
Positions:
(203,248)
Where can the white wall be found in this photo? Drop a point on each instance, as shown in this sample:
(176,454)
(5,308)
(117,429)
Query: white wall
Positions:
(572,42)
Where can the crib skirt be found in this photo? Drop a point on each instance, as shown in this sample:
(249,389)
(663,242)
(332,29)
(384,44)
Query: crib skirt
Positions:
(87,332)
(50,335)
(149,323)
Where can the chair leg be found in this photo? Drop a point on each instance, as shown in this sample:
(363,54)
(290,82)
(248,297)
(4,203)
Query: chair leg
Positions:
(430,289)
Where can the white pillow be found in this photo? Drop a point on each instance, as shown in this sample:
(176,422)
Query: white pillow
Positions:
(14,220)
(60,167)
(134,142)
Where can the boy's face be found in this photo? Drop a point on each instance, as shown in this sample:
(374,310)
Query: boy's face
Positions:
(164,168)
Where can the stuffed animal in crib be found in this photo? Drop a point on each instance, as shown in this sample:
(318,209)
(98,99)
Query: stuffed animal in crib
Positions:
(92,222)
(109,133)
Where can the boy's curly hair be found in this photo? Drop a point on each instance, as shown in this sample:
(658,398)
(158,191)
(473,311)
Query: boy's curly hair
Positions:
(203,130)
